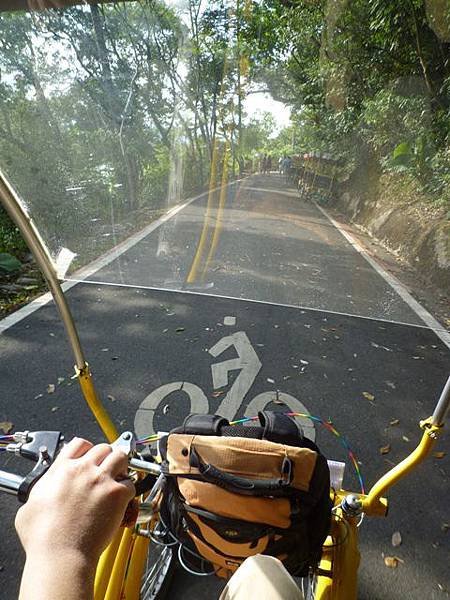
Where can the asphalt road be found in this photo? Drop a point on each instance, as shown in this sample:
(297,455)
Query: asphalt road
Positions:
(300,318)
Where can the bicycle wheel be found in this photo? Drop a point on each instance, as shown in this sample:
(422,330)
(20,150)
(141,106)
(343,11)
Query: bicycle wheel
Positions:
(308,586)
(159,570)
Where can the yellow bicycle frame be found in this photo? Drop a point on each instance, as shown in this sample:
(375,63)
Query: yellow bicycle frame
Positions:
(337,572)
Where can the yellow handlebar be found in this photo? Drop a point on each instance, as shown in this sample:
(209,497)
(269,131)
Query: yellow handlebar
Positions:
(373,503)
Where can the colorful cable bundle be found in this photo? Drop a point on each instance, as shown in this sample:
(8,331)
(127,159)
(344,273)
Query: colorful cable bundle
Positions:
(5,440)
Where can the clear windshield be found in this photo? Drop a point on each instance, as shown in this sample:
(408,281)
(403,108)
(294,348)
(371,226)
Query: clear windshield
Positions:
(200,146)
(246,199)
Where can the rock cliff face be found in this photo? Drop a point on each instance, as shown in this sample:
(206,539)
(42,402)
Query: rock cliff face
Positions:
(391,208)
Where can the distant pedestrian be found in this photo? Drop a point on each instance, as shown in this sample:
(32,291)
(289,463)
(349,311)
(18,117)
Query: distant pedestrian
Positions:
(287,166)
(263,165)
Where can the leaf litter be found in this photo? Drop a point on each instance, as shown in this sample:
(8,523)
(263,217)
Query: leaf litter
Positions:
(392,561)
(439,454)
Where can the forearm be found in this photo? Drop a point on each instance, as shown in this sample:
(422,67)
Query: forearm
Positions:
(45,577)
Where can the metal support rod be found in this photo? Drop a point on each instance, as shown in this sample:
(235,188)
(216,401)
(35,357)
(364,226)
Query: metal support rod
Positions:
(18,213)
(442,407)
(145,466)
(9,482)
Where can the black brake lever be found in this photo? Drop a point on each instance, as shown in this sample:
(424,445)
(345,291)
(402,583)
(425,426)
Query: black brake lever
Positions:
(42,447)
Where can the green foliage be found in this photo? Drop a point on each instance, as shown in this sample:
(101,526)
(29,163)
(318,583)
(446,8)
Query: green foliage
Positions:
(256,135)
(11,241)
(389,119)
(367,79)
(8,263)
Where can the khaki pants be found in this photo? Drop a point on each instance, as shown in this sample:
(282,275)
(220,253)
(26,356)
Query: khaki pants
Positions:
(261,578)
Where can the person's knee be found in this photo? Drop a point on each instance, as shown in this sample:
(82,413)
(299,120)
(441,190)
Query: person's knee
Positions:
(262,577)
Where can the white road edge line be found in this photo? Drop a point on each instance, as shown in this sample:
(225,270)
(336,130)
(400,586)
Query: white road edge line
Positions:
(395,284)
(242,299)
(88,270)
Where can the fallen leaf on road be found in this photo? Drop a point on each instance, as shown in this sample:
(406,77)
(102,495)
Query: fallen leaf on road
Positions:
(217,394)
(374,345)
(394,422)
(385,449)
(61,380)
(6,426)
(111,398)
(38,396)
(55,408)
(180,329)
(368,396)
(392,561)
(439,454)
(304,362)
(445,527)
(269,380)
(391,384)
(50,388)
(396,539)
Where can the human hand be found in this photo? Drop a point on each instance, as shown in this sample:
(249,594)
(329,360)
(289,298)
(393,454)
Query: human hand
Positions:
(78,505)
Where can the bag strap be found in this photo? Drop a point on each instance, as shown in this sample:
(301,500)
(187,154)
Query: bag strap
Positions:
(277,427)
(280,428)
(198,424)
(279,486)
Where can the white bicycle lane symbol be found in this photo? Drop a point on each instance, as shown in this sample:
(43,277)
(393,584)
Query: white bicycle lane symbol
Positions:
(248,364)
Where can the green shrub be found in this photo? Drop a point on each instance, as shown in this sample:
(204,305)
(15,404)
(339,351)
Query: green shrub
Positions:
(10,239)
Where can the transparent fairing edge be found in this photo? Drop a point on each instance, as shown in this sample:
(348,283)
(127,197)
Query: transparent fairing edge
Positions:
(159,127)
